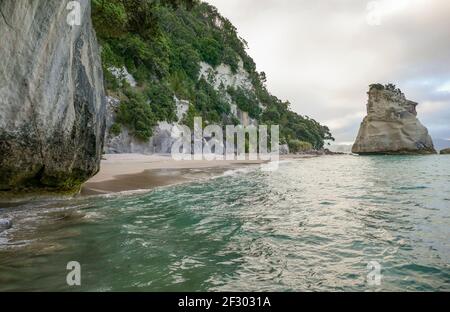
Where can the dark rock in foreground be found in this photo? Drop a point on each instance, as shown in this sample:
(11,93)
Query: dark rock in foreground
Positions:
(5,224)
(391,125)
(52,107)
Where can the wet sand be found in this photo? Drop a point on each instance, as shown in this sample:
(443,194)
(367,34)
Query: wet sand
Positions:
(129,172)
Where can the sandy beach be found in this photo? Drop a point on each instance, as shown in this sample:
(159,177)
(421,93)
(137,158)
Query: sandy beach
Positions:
(128,172)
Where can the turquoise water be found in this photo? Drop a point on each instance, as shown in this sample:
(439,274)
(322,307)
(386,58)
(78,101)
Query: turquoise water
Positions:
(313,225)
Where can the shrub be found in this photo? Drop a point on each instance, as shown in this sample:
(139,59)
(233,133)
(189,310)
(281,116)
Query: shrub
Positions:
(109,18)
(115,129)
(231,58)
(137,115)
(297,146)
(188,119)
(161,101)
(377,86)
(209,102)
(187,59)
(181,85)
(210,51)
(246,101)
(390,87)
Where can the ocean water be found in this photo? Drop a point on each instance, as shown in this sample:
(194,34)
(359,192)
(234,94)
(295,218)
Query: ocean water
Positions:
(330,223)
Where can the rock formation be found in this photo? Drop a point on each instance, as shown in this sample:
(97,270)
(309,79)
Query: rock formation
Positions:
(391,125)
(445,151)
(5,224)
(161,141)
(52,107)
(221,78)
(124,143)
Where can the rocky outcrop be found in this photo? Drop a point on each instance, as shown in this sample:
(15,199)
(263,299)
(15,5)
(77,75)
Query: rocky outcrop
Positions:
(125,143)
(221,78)
(391,125)
(162,139)
(123,74)
(445,151)
(5,224)
(284,149)
(52,108)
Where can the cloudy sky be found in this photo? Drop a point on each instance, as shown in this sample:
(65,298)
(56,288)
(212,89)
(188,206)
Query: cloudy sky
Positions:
(321,55)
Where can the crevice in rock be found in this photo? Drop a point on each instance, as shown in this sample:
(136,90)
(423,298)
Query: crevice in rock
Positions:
(34,122)
(4,18)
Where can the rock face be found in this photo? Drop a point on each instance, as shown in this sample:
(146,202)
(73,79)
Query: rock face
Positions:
(391,125)
(445,151)
(221,78)
(161,142)
(5,224)
(52,107)
(284,149)
(125,143)
(223,75)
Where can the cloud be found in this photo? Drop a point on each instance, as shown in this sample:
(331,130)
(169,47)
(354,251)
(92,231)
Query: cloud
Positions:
(322,55)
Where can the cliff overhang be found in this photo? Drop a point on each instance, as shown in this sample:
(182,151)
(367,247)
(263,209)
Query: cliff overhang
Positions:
(52,106)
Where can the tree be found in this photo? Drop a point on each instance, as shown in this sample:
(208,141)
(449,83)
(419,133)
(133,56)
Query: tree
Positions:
(210,51)
(391,87)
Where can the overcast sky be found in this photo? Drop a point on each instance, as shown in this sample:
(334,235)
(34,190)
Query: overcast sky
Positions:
(321,55)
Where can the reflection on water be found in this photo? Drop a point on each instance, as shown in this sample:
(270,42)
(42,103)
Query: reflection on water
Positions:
(314,224)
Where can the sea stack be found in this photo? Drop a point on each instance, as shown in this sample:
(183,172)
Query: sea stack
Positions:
(391,125)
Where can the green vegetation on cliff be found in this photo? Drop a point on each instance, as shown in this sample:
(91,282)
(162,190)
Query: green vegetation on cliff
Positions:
(162,43)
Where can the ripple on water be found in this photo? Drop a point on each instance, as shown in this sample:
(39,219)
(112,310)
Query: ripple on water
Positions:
(314,224)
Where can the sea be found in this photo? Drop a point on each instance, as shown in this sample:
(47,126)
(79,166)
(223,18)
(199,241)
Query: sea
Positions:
(330,223)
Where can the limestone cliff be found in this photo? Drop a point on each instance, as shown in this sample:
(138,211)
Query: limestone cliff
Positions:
(391,125)
(168,59)
(52,106)
(220,78)
(125,143)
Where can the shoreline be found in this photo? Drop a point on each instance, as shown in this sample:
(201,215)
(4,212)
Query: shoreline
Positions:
(121,173)
(134,172)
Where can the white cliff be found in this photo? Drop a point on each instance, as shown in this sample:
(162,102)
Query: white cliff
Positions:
(221,78)
(161,142)
(223,75)
(52,108)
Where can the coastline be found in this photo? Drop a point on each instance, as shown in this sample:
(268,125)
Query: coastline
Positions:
(133,172)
